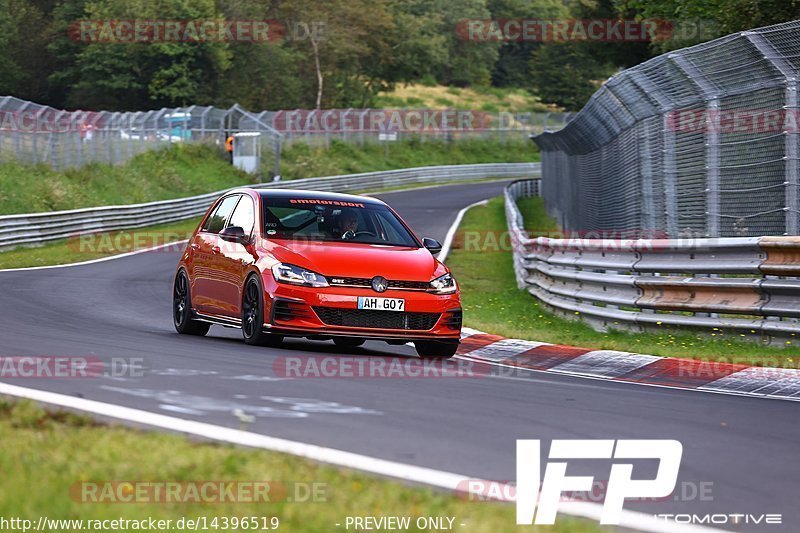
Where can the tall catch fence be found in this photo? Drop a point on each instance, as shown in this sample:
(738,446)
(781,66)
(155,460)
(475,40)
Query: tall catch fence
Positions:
(701,142)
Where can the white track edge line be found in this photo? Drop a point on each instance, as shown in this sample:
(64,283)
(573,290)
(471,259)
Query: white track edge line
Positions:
(427,476)
(451,233)
(98,260)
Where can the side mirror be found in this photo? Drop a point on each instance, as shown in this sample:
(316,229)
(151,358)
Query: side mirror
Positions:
(234,234)
(432,245)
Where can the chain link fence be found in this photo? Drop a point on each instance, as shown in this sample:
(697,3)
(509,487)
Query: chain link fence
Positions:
(702,142)
(32,133)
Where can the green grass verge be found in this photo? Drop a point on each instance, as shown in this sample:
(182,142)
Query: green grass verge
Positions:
(43,455)
(176,172)
(186,170)
(493,303)
(300,160)
(490,99)
(80,249)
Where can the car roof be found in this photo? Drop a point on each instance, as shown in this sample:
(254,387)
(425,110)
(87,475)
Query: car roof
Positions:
(315,195)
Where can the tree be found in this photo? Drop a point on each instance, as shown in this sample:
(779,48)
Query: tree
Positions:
(468,62)
(346,41)
(702,20)
(24,59)
(144,75)
(567,74)
(513,64)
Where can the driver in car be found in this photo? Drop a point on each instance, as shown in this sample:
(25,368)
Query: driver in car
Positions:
(348,224)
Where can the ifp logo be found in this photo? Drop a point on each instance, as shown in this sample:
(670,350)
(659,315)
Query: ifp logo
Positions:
(620,482)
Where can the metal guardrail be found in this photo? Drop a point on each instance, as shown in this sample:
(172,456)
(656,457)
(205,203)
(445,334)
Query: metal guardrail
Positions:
(750,285)
(37,228)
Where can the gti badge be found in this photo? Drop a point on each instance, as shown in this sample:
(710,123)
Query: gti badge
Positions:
(379,284)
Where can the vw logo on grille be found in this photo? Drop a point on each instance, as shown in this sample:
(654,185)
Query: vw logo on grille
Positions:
(379,284)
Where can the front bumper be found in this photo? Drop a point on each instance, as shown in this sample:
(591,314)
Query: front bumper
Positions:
(293,310)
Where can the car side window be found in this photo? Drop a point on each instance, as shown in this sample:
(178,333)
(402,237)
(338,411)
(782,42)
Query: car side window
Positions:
(216,221)
(244,215)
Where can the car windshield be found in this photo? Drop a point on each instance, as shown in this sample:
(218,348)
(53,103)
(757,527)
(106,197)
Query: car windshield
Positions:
(333,220)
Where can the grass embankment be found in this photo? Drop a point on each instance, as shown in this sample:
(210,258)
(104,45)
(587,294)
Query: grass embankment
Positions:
(302,161)
(187,170)
(157,175)
(493,303)
(87,248)
(46,455)
(489,99)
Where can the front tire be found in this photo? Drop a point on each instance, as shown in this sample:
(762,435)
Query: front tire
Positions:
(253,316)
(436,349)
(182,308)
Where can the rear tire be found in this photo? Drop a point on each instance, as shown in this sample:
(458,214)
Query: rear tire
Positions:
(253,316)
(182,308)
(348,342)
(436,349)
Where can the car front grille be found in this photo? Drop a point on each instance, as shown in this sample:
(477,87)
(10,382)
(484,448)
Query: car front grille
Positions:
(368,318)
(367,283)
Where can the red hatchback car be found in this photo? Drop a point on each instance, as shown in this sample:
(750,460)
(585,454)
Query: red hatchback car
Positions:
(279,263)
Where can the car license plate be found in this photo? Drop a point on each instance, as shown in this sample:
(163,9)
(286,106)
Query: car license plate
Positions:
(381,304)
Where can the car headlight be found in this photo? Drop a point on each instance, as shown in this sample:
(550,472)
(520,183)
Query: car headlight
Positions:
(443,284)
(298,276)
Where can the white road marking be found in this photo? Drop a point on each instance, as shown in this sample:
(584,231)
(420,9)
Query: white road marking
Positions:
(451,233)
(100,260)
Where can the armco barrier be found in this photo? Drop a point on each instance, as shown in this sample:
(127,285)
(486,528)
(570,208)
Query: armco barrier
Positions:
(749,285)
(38,228)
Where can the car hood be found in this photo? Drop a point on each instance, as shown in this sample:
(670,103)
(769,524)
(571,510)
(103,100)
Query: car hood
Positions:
(360,260)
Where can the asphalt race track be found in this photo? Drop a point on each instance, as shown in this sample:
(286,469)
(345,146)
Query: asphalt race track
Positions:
(744,449)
